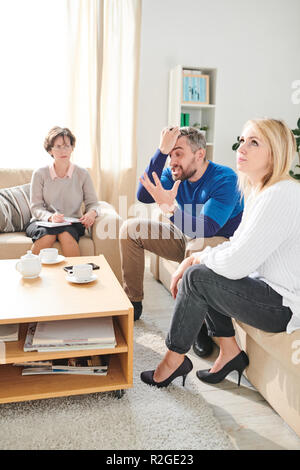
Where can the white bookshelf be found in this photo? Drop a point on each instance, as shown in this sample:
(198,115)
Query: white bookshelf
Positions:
(201,113)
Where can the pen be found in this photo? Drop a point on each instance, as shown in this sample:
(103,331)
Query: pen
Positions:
(55,211)
(53,208)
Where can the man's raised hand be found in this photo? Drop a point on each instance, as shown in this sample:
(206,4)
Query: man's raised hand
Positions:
(165,198)
(168,138)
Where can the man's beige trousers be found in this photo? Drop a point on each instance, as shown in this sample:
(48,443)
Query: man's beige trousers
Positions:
(163,239)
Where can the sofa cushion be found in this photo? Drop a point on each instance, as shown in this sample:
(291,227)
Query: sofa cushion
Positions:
(14,176)
(15,211)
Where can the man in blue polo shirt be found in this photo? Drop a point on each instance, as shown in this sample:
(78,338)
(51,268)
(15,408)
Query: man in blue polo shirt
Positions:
(199,197)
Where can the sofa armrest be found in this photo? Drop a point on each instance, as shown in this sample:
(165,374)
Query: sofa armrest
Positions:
(105,235)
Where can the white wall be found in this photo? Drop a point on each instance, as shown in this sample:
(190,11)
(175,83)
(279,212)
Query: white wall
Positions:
(253,44)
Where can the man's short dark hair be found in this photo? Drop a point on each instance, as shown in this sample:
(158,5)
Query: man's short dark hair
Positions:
(194,136)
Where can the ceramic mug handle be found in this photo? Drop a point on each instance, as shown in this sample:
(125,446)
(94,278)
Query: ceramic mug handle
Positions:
(18,267)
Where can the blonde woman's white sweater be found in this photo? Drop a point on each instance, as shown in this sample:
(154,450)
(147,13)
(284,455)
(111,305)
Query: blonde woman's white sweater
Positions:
(266,245)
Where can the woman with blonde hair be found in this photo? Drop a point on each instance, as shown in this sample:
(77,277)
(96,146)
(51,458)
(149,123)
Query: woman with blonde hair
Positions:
(255,276)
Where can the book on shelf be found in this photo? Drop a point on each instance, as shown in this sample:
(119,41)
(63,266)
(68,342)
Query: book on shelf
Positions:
(195,88)
(184,119)
(66,346)
(192,71)
(86,365)
(9,332)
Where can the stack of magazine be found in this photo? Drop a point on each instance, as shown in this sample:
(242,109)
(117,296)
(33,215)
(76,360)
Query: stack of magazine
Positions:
(89,365)
(70,335)
(9,332)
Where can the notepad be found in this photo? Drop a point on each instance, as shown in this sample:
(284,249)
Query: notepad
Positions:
(67,221)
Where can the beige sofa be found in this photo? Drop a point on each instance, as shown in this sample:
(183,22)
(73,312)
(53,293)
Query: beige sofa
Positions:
(15,244)
(274,368)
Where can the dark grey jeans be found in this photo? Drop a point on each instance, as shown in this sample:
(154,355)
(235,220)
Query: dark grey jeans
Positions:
(206,296)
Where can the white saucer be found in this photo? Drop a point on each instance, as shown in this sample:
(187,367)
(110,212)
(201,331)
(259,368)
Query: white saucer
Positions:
(79,281)
(59,259)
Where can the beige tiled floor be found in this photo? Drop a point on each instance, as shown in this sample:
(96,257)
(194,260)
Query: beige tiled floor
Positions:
(242,411)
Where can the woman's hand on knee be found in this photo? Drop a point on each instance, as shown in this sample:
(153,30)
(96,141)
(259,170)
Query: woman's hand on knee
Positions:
(196,258)
(187,262)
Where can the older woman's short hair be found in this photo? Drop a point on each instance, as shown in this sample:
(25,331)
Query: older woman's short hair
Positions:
(58,132)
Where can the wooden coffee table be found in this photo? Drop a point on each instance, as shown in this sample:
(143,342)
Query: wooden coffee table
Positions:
(52,297)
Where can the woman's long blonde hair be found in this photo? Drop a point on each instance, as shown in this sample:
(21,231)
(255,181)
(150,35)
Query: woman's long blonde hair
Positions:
(282,146)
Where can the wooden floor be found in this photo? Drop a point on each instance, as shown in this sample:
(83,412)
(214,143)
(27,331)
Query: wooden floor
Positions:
(242,411)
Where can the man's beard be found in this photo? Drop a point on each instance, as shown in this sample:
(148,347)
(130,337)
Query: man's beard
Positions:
(184,175)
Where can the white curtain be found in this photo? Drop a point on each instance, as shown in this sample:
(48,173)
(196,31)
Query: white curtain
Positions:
(104,37)
(85,67)
(72,63)
(119,91)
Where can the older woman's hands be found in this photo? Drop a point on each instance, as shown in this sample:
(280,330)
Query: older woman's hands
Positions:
(88,219)
(57,218)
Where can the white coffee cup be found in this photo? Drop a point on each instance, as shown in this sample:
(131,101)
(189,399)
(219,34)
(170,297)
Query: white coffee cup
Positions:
(49,254)
(82,272)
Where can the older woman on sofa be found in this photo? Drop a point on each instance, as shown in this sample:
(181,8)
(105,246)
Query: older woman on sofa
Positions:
(58,191)
(255,276)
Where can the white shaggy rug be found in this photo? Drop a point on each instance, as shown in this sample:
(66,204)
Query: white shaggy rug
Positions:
(175,418)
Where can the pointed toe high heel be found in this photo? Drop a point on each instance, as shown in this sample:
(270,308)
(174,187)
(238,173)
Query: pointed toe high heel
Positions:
(238,363)
(182,371)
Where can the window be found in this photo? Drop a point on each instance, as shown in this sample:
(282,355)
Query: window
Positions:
(35,78)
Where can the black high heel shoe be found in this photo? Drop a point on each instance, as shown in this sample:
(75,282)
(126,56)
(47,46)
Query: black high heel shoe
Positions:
(183,370)
(238,363)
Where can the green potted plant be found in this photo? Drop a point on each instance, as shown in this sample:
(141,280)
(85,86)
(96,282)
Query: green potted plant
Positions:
(296,133)
(203,129)
(236,144)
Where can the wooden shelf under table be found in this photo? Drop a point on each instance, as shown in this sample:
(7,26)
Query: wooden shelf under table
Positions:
(15,387)
(14,350)
(105,297)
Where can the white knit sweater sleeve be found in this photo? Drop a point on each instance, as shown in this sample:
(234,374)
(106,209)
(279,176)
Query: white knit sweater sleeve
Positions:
(266,226)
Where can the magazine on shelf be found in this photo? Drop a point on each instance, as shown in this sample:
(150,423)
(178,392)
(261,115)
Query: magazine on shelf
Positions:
(9,332)
(29,347)
(32,363)
(76,331)
(42,371)
(87,365)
